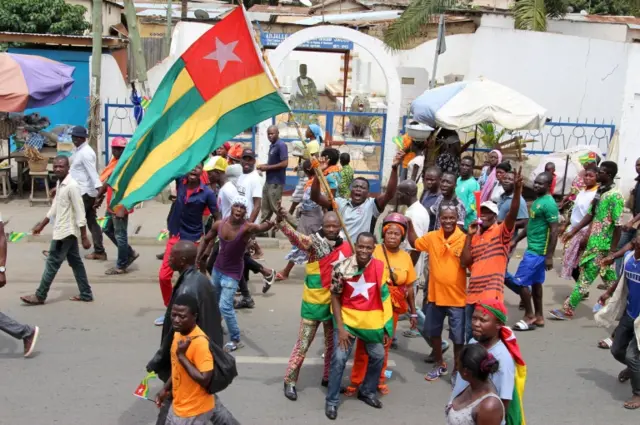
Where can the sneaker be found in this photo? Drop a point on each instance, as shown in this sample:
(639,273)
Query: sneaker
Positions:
(159,321)
(268,281)
(437,372)
(244,303)
(30,342)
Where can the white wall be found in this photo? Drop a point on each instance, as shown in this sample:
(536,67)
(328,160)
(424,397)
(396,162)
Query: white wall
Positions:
(603,31)
(629,136)
(572,77)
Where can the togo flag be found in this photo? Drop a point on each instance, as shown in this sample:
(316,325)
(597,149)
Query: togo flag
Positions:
(214,91)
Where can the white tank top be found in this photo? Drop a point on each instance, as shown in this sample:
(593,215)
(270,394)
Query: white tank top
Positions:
(464,416)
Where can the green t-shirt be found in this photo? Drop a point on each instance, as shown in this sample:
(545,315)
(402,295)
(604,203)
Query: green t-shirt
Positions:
(464,192)
(543,212)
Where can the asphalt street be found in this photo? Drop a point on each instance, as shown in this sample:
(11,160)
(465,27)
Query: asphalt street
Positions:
(91,357)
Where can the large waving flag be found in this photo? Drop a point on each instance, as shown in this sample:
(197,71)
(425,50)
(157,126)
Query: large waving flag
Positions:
(214,91)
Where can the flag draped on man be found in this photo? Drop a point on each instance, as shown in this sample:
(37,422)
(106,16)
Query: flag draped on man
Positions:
(214,91)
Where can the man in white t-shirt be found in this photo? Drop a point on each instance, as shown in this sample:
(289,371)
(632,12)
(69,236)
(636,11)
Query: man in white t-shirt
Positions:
(228,190)
(359,211)
(250,184)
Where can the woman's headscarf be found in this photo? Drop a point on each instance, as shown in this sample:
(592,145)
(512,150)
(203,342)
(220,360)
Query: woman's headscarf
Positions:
(317,132)
(491,180)
(233,173)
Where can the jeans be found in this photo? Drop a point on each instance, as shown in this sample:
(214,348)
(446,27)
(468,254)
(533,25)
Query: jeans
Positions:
(468,314)
(625,350)
(116,230)
(65,249)
(92,223)
(226,288)
(625,238)
(339,359)
(13,328)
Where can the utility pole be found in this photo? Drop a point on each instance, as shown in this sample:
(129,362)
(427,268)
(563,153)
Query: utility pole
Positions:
(184,9)
(96,68)
(167,33)
(140,66)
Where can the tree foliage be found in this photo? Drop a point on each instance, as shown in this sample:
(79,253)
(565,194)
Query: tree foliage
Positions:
(605,7)
(42,17)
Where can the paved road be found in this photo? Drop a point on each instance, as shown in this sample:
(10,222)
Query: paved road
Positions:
(91,357)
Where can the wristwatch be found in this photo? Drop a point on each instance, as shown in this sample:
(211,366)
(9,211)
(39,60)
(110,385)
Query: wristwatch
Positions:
(3,269)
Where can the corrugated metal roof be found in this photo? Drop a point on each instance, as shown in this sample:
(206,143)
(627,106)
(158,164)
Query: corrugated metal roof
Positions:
(80,37)
(601,19)
(382,15)
(280,10)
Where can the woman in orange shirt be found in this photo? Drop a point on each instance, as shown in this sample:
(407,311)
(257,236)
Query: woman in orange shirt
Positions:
(400,275)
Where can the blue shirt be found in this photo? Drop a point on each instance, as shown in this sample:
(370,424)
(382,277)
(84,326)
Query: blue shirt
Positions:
(632,275)
(278,152)
(186,218)
(505,204)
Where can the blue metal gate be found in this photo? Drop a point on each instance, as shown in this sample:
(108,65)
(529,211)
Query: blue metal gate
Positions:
(361,134)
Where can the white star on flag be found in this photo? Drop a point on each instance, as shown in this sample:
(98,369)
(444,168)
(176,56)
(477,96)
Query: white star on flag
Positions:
(340,258)
(223,54)
(361,287)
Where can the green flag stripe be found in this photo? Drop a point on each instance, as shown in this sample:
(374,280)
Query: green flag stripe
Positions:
(313,281)
(384,292)
(153,114)
(227,127)
(366,335)
(320,312)
(170,122)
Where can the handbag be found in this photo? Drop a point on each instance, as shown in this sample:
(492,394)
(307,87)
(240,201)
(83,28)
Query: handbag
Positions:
(398,296)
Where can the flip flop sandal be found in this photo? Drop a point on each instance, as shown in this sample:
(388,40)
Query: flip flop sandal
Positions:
(558,314)
(280,277)
(624,376)
(523,326)
(80,299)
(605,344)
(603,287)
(411,333)
(350,391)
(631,405)
(115,271)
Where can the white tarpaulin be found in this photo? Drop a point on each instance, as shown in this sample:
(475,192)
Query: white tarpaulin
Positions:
(467,103)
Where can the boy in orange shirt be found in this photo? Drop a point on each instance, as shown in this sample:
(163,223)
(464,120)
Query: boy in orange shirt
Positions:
(447,285)
(191,368)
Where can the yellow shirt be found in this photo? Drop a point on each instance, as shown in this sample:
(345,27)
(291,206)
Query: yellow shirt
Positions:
(401,265)
(189,398)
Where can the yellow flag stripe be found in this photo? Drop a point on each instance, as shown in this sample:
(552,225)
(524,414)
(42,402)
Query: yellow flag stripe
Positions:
(313,268)
(366,320)
(228,99)
(316,296)
(181,85)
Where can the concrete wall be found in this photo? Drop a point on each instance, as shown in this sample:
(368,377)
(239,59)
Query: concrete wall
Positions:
(603,31)
(111,14)
(571,76)
(629,135)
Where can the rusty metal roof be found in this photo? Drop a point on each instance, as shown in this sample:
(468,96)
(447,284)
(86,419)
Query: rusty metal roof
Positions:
(60,39)
(601,19)
(280,10)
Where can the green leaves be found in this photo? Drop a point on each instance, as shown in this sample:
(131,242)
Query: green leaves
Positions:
(413,20)
(530,15)
(42,17)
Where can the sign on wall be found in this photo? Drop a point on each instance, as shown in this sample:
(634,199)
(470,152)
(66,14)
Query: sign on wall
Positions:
(273,39)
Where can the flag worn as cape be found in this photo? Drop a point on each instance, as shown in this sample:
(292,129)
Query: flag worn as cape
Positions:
(316,298)
(515,413)
(213,92)
(366,304)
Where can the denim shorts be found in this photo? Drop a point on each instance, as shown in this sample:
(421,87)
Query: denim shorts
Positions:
(531,270)
(434,322)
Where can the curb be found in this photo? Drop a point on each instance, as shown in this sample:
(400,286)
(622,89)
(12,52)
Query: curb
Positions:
(265,243)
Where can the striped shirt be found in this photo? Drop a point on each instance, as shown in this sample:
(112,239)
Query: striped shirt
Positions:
(489,252)
(67,210)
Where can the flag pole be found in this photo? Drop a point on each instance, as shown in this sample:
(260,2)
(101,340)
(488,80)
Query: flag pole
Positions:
(314,162)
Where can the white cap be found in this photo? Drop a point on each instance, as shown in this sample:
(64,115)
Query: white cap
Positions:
(491,206)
